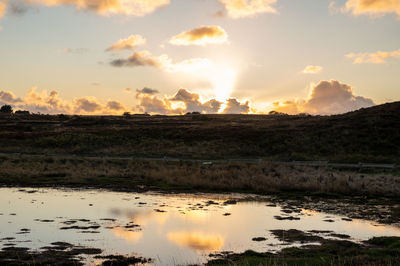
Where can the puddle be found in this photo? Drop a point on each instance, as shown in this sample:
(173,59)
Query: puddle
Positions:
(170,229)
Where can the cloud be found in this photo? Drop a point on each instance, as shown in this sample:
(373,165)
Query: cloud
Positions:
(115,106)
(185,101)
(335,97)
(152,104)
(163,62)
(44,103)
(129,43)
(202,35)
(110,7)
(312,69)
(87,104)
(193,104)
(248,8)
(372,7)
(142,58)
(327,97)
(3,8)
(373,58)
(288,107)
(128,90)
(235,107)
(7,97)
(75,50)
(50,103)
(147,90)
(19,7)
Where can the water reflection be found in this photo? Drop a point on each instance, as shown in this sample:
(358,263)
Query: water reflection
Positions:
(172,229)
(197,240)
(130,236)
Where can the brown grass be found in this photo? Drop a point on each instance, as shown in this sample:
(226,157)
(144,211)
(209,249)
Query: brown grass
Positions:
(261,177)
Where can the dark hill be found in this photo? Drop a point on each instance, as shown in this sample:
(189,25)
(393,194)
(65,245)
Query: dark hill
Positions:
(370,134)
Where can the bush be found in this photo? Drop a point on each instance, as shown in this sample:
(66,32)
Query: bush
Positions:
(6,109)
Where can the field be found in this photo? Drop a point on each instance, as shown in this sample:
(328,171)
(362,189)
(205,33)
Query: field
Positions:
(367,135)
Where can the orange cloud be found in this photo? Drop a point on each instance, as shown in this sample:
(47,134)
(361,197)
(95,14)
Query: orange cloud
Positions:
(154,105)
(129,43)
(45,103)
(312,69)
(185,101)
(3,7)
(109,7)
(327,97)
(50,103)
(372,7)
(202,35)
(288,107)
(248,8)
(373,58)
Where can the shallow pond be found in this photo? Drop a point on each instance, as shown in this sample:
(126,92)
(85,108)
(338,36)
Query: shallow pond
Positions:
(171,229)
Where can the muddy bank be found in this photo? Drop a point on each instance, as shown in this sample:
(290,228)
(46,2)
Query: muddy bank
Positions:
(63,253)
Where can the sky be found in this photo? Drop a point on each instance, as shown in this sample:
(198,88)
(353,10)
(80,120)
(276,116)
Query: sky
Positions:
(208,56)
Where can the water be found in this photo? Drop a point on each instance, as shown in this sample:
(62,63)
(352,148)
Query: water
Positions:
(171,229)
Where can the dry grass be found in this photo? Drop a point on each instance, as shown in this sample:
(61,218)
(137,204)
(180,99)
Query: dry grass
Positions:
(260,177)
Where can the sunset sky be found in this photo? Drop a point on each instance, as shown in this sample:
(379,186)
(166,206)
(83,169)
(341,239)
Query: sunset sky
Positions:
(212,56)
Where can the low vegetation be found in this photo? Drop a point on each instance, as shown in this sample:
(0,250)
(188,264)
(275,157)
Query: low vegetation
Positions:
(62,253)
(375,251)
(367,135)
(263,177)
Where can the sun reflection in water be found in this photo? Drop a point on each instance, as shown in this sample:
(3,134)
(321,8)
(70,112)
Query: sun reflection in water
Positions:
(197,241)
(131,236)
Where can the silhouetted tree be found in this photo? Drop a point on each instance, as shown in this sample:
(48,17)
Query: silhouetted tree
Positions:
(6,109)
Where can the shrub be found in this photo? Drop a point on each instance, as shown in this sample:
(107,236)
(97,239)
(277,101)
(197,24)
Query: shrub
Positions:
(6,109)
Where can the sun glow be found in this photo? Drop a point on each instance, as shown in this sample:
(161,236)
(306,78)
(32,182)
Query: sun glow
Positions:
(220,76)
(223,81)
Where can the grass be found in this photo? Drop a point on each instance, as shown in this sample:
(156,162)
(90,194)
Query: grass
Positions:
(263,177)
(376,251)
(367,135)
